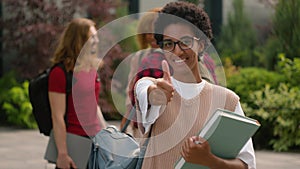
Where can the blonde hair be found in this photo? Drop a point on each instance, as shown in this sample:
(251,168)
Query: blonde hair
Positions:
(146,25)
(71,42)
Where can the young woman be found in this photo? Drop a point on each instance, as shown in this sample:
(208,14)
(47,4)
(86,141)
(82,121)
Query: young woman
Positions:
(83,114)
(174,108)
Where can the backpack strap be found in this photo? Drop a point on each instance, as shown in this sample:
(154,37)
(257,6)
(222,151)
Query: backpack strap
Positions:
(128,120)
(68,76)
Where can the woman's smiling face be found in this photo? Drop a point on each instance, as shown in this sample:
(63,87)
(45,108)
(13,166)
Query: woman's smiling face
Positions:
(184,56)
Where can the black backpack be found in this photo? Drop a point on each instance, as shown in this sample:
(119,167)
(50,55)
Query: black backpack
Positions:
(38,95)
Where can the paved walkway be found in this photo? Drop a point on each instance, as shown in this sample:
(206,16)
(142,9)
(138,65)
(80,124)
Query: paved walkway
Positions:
(22,149)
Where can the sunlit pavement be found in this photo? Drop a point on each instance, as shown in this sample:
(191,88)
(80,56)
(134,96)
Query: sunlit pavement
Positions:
(25,149)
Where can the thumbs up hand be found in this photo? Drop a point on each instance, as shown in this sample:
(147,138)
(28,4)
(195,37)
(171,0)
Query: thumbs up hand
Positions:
(166,70)
(162,90)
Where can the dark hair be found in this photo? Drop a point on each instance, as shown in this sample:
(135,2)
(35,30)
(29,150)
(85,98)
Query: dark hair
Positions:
(189,13)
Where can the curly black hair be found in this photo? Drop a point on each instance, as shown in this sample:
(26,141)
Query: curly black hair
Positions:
(189,12)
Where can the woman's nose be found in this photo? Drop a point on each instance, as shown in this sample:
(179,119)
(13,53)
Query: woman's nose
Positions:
(177,50)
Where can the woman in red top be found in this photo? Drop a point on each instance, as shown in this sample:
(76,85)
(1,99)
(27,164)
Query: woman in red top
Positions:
(83,114)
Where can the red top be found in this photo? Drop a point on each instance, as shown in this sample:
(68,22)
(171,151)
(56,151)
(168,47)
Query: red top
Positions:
(82,116)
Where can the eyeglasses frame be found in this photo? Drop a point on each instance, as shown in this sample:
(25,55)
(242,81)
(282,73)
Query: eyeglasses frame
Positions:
(178,43)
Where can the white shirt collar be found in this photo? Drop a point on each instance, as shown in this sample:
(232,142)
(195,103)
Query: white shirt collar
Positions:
(188,90)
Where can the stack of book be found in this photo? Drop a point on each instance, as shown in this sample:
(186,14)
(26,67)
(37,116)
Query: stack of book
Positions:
(226,133)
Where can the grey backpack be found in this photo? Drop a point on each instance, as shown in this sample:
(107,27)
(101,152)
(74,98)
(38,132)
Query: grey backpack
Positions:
(114,149)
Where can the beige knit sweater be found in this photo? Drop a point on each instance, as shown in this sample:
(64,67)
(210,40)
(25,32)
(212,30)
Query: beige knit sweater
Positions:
(181,119)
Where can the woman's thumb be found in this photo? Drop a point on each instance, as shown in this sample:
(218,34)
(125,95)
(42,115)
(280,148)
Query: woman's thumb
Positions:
(166,71)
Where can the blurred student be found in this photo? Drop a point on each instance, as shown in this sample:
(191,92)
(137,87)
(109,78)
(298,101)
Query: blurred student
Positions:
(83,117)
(147,45)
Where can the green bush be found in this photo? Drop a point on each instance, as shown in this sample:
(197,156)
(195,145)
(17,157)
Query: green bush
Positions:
(290,69)
(251,79)
(279,108)
(273,99)
(7,81)
(18,108)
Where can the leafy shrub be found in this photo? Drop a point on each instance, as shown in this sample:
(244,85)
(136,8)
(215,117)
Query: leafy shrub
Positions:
(6,82)
(18,108)
(290,69)
(251,79)
(279,108)
(273,99)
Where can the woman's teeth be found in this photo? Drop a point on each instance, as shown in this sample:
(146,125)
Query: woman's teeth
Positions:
(179,60)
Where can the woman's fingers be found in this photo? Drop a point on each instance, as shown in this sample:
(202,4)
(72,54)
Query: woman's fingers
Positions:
(161,92)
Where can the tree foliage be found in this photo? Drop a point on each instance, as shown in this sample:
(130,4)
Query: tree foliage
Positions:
(287,27)
(237,39)
(285,33)
(31,31)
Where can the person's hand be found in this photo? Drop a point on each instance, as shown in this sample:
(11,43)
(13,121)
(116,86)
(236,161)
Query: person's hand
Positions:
(197,150)
(64,161)
(162,91)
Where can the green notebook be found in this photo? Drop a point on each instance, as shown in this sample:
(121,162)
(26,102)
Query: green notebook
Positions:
(227,133)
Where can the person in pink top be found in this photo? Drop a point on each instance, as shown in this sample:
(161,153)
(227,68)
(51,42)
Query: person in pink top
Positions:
(83,115)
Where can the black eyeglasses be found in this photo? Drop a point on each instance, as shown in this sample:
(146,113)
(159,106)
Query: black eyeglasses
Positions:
(184,43)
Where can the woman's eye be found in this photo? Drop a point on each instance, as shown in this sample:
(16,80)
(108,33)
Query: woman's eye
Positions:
(168,44)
